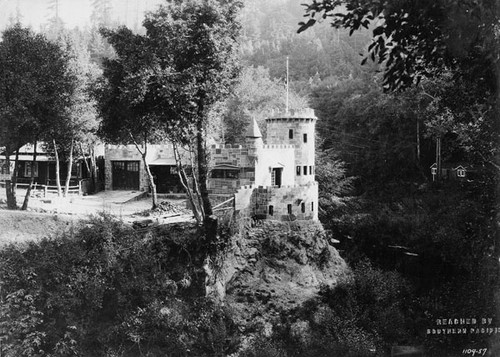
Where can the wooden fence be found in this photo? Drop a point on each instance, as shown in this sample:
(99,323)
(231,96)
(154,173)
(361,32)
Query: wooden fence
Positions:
(38,190)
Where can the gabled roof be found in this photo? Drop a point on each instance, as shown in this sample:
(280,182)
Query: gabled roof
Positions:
(253,130)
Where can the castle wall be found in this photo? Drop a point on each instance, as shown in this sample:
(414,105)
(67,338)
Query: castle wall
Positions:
(301,201)
(241,158)
(235,155)
(275,156)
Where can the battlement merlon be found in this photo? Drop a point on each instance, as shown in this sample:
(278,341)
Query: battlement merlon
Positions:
(306,113)
(278,146)
(227,146)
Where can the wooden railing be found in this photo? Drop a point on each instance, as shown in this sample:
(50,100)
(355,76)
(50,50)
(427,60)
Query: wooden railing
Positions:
(220,206)
(38,189)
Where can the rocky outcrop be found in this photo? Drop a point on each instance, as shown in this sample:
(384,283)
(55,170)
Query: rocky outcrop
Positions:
(276,266)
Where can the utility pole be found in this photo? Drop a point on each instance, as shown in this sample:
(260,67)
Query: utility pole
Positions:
(438,156)
(286,106)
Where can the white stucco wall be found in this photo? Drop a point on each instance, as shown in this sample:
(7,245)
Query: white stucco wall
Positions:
(271,156)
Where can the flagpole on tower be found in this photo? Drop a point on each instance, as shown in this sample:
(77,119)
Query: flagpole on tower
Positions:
(286,107)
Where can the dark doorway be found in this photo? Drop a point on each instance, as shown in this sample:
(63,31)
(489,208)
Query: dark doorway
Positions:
(166,178)
(276,176)
(125,175)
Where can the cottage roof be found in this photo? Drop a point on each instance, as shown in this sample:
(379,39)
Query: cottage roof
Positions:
(163,161)
(253,130)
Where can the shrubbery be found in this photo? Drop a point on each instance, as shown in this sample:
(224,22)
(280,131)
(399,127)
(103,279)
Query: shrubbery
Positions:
(108,290)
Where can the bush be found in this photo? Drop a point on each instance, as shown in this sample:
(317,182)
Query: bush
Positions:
(109,290)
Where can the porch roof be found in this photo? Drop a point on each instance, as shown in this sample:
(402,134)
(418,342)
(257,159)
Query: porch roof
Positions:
(39,158)
(163,161)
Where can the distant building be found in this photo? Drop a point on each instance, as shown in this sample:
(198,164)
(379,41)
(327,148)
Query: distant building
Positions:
(124,168)
(44,168)
(453,171)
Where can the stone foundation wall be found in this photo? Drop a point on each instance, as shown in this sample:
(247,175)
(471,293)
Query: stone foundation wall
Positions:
(279,203)
(220,186)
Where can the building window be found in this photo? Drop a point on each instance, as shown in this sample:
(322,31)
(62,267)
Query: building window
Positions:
(303,207)
(225,174)
(298,170)
(27,169)
(4,169)
(305,138)
(271,210)
(310,170)
(461,173)
(312,206)
(289,208)
(290,134)
(305,170)
(133,166)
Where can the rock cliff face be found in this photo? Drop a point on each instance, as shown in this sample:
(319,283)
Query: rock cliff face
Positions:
(276,266)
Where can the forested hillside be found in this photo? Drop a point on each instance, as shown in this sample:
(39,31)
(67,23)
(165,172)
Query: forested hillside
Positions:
(376,147)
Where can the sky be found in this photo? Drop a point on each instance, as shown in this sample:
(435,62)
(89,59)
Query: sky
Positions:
(36,13)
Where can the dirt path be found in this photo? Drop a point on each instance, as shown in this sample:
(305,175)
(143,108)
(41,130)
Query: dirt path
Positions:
(49,217)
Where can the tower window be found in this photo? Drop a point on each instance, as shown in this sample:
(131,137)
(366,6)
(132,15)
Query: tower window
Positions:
(298,170)
(305,138)
(312,206)
(271,210)
(310,170)
(289,208)
(305,170)
(290,134)
(303,207)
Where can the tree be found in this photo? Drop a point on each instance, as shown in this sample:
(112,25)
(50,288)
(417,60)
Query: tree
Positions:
(35,88)
(417,39)
(198,41)
(124,107)
(171,79)
(81,122)
(431,39)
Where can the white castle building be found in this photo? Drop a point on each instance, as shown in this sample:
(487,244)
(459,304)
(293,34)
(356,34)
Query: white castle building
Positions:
(275,179)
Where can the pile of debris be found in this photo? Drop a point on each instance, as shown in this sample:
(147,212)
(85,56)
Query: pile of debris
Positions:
(165,208)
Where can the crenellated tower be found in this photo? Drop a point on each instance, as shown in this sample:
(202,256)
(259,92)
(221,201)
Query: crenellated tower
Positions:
(296,127)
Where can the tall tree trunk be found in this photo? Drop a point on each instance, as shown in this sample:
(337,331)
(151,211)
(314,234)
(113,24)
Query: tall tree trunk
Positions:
(32,179)
(88,167)
(197,212)
(58,169)
(144,153)
(203,169)
(418,141)
(213,287)
(152,185)
(93,166)
(69,169)
(11,185)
